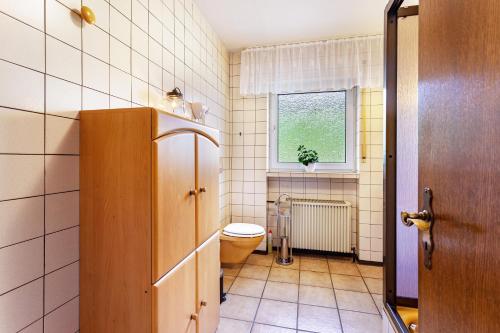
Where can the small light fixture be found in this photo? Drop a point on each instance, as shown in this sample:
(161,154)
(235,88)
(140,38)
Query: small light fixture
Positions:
(176,99)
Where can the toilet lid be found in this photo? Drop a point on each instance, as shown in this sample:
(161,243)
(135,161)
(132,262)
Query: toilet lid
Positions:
(243,230)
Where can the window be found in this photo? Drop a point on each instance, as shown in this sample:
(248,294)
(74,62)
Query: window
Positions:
(323,121)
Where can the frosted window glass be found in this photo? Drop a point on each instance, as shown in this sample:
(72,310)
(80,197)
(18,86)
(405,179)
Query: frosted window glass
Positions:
(315,120)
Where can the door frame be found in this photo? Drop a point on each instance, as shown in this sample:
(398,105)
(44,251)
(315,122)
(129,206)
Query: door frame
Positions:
(391,15)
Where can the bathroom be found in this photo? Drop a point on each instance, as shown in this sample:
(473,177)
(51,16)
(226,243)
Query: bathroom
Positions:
(229,166)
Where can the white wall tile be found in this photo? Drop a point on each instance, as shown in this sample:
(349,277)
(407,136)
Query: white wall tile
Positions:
(140,66)
(23,44)
(119,55)
(119,26)
(63,98)
(94,100)
(63,23)
(63,319)
(139,15)
(124,6)
(62,135)
(20,264)
(61,286)
(12,96)
(36,327)
(101,7)
(21,132)
(20,176)
(120,84)
(21,219)
(61,248)
(61,211)
(28,11)
(61,173)
(64,61)
(95,74)
(21,306)
(96,42)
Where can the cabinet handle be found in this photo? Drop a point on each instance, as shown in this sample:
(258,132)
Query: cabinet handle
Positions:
(192,192)
(203,189)
(203,303)
(194,316)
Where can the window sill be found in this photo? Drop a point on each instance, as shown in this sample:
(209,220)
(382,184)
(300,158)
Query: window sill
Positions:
(315,174)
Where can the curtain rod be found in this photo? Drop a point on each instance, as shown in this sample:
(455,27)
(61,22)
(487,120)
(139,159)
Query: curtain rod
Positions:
(311,42)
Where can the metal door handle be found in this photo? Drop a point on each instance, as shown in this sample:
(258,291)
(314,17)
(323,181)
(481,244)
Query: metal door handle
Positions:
(422,220)
(193,192)
(194,316)
(203,189)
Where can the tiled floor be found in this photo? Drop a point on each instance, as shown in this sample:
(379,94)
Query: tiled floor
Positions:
(315,294)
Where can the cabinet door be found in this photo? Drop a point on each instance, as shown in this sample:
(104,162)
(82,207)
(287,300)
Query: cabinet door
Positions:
(207,169)
(174,299)
(173,201)
(208,285)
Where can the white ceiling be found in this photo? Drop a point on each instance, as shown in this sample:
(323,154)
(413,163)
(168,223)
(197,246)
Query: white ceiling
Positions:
(246,23)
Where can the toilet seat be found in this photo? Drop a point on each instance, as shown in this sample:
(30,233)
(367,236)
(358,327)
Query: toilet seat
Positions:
(243,230)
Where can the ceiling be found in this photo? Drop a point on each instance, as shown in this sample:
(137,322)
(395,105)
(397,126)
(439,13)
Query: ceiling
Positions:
(246,23)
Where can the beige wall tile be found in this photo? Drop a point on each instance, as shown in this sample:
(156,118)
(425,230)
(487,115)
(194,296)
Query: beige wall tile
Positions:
(20,264)
(64,61)
(21,306)
(36,327)
(22,219)
(63,98)
(21,132)
(29,11)
(63,24)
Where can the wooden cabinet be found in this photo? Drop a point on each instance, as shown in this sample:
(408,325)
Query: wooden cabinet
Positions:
(208,264)
(149,221)
(207,183)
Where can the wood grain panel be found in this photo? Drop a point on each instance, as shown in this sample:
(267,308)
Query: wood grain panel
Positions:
(173,205)
(115,227)
(208,263)
(459,159)
(174,298)
(207,183)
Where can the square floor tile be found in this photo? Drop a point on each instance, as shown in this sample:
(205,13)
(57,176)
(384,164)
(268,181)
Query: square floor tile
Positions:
(348,282)
(228,281)
(284,275)
(227,325)
(356,322)
(317,296)
(375,286)
(342,267)
(315,265)
(281,291)
(319,319)
(254,272)
(375,272)
(294,265)
(277,313)
(247,287)
(379,302)
(231,270)
(315,279)
(355,301)
(239,307)
(259,259)
(260,328)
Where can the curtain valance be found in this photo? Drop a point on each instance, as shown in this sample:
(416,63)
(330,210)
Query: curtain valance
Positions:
(318,66)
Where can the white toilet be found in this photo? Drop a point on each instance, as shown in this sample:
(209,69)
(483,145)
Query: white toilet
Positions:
(238,241)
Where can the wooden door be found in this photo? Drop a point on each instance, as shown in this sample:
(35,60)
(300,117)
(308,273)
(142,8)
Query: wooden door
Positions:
(208,284)
(459,159)
(173,200)
(207,179)
(174,299)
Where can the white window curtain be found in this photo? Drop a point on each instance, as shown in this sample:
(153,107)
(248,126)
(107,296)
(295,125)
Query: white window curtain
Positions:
(318,66)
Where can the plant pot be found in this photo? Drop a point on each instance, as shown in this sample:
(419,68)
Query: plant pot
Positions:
(310,167)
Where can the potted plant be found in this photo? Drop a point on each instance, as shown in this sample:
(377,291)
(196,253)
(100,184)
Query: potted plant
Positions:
(308,158)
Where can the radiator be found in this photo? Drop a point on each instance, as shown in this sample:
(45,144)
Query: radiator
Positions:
(321,225)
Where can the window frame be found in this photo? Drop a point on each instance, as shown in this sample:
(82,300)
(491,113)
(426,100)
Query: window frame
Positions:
(350,135)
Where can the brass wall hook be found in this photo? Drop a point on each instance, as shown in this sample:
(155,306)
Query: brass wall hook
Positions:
(87,14)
